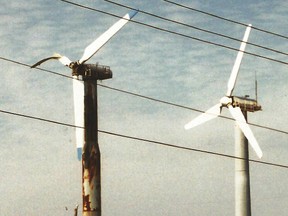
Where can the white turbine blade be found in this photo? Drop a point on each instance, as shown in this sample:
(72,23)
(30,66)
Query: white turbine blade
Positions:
(64,60)
(210,114)
(241,121)
(78,96)
(100,41)
(235,70)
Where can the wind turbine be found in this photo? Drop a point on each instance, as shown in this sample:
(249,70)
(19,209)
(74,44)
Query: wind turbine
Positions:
(230,102)
(86,116)
(79,68)
(238,108)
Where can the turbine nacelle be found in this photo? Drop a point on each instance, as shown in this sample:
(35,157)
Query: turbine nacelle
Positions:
(245,103)
(91,71)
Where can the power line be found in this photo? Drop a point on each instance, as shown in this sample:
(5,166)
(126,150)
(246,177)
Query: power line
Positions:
(197,28)
(191,149)
(223,18)
(39,119)
(146,97)
(44,70)
(177,33)
(186,107)
(146,140)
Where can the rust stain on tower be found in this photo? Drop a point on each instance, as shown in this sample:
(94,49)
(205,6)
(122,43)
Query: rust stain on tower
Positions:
(91,158)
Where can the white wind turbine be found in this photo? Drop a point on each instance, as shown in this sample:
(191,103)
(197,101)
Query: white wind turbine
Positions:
(228,101)
(77,69)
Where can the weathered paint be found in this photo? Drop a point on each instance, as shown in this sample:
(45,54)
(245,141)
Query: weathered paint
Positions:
(92,71)
(76,210)
(246,104)
(91,158)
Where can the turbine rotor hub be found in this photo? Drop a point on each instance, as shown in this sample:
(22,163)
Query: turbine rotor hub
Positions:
(225,101)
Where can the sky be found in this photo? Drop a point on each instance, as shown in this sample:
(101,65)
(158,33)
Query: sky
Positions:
(40,173)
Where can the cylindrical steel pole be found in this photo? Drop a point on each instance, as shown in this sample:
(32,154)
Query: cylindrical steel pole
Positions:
(242,178)
(91,171)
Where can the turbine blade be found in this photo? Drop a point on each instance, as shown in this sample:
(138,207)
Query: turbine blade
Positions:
(78,96)
(236,67)
(100,41)
(241,121)
(210,114)
(63,59)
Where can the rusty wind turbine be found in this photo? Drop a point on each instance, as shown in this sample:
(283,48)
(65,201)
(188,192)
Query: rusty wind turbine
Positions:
(86,117)
(79,68)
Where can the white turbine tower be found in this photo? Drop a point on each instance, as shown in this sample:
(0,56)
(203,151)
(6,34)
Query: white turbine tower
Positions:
(228,101)
(238,108)
(77,69)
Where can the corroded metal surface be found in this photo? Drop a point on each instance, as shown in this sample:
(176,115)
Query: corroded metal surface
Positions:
(246,104)
(91,159)
(91,71)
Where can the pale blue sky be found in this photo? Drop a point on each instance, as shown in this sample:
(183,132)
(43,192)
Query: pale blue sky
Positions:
(40,174)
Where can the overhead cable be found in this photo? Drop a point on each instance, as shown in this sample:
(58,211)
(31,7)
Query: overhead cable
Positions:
(197,28)
(145,97)
(44,70)
(39,119)
(226,19)
(186,107)
(178,34)
(192,149)
(147,140)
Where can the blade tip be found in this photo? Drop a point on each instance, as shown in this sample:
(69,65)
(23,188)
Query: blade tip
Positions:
(187,126)
(79,153)
(133,13)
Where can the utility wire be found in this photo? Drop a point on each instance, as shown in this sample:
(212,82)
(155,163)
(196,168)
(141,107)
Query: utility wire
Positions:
(197,28)
(223,18)
(192,149)
(29,66)
(39,119)
(130,137)
(177,33)
(146,140)
(186,107)
(145,97)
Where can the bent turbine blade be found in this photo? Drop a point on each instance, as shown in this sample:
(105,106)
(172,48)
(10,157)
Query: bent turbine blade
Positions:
(236,67)
(55,56)
(210,114)
(78,97)
(63,59)
(241,121)
(100,41)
